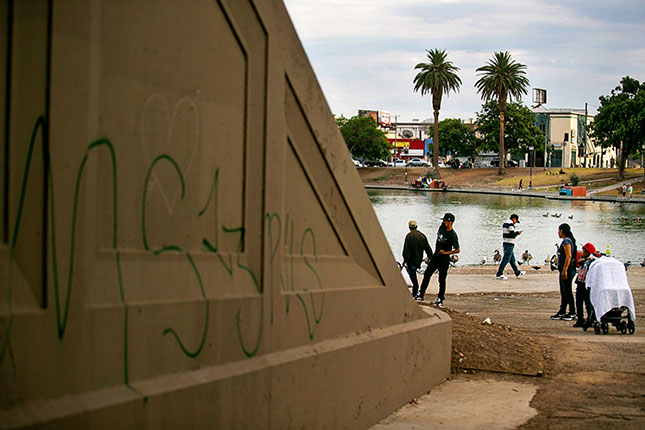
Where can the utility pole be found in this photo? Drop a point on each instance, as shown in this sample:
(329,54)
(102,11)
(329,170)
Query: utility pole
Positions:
(396,131)
(531,162)
(584,138)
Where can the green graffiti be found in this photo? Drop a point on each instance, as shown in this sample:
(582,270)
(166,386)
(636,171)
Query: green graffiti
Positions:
(273,250)
(289,267)
(213,196)
(62,317)
(173,332)
(174,248)
(309,232)
(249,352)
(213,247)
(278,234)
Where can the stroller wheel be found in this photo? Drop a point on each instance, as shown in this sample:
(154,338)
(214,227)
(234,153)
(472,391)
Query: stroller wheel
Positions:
(623,328)
(596,328)
(631,327)
(604,327)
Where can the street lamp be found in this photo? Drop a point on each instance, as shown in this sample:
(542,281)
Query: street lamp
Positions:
(531,161)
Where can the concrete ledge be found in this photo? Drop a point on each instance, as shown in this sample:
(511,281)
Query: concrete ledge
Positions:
(372,383)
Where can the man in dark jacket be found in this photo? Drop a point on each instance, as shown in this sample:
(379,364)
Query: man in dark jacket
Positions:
(414,246)
(447,244)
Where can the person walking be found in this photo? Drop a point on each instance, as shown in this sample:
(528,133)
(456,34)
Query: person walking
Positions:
(446,245)
(624,190)
(582,293)
(567,269)
(414,246)
(509,233)
(630,190)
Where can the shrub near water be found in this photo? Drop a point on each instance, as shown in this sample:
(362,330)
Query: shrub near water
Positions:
(575,180)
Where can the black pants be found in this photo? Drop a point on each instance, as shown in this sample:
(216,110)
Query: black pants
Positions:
(566,294)
(412,271)
(440,263)
(582,299)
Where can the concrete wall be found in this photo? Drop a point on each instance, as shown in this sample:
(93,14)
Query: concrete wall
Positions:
(185,240)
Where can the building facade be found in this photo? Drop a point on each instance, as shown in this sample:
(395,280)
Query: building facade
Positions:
(567,135)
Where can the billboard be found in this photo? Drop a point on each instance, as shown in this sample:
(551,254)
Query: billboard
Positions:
(539,96)
(384,118)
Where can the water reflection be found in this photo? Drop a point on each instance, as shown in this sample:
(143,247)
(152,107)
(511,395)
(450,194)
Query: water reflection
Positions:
(479,218)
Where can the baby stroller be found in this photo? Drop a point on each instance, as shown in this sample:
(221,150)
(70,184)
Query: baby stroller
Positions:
(610,296)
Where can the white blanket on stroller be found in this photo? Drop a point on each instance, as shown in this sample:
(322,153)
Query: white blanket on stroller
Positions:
(607,282)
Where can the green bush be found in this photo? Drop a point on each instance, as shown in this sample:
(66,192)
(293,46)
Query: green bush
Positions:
(575,180)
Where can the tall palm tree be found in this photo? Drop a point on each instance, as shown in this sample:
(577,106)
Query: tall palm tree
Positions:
(436,77)
(501,78)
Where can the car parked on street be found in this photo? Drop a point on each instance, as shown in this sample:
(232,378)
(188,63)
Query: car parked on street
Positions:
(416,162)
(509,163)
(374,163)
(396,162)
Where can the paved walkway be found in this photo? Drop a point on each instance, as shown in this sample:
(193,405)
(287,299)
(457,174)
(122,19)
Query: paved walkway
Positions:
(614,186)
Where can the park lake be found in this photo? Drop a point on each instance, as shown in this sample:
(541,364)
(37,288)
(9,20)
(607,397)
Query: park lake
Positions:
(619,227)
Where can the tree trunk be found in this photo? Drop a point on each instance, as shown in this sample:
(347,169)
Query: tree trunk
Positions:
(623,160)
(435,144)
(502,155)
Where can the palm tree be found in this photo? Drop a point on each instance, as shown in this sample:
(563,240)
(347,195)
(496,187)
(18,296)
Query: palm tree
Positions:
(500,78)
(437,77)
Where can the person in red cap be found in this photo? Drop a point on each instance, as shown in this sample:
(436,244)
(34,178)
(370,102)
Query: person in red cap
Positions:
(582,293)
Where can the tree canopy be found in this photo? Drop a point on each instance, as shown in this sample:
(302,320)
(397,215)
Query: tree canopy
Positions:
(620,120)
(520,130)
(363,139)
(456,138)
(502,78)
(437,76)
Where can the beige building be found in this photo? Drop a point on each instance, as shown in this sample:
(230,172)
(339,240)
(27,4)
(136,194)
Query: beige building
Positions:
(567,133)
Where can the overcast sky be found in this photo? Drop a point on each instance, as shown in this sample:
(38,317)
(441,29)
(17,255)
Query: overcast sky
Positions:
(364,51)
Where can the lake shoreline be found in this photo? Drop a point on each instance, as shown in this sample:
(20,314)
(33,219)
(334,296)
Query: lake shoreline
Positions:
(516,193)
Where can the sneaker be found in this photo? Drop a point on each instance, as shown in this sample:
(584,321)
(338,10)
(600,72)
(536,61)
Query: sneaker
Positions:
(439,305)
(579,323)
(418,298)
(557,316)
(519,275)
(438,302)
(501,277)
(568,317)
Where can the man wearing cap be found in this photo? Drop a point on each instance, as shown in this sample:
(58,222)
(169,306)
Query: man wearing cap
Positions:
(446,245)
(413,247)
(582,293)
(509,233)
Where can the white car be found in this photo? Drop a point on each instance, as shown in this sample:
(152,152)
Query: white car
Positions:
(356,163)
(415,162)
(397,162)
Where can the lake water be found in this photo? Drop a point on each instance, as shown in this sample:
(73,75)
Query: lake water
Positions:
(479,218)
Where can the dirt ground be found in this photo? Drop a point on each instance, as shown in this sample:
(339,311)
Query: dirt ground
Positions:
(584,380)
